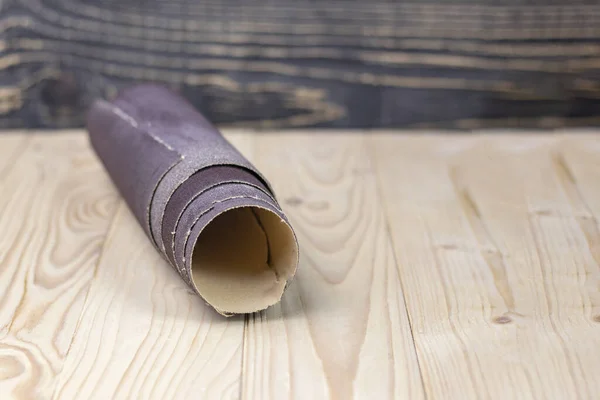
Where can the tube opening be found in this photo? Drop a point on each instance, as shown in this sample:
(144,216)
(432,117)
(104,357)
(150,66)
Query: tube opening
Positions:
(243,259)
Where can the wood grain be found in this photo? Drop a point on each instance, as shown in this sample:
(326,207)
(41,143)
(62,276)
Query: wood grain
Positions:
(144,334)
(13,146)
(432,266)
(500,274)
(55,208)
(343,317)
(305,63)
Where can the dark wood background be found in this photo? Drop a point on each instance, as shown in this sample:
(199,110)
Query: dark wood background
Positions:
(280,64)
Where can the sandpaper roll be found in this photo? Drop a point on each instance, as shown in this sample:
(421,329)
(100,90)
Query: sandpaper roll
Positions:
(208,210)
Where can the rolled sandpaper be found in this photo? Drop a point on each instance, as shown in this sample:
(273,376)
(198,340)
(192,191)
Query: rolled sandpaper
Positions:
(210,213)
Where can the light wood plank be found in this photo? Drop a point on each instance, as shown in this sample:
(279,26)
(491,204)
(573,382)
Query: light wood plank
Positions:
(495,265)
(341,330)
(55,209)
(13,144)
(497,245)
(144,334)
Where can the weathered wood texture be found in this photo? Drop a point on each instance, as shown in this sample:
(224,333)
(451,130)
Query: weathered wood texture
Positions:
(277,64)
(433,266)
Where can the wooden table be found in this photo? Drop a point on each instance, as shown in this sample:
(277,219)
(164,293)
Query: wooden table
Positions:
(432,266)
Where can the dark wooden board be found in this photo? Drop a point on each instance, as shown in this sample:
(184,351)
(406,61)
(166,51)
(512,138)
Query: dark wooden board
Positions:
(279,64)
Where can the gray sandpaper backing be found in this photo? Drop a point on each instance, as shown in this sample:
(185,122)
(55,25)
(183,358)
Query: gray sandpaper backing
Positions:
(210,213)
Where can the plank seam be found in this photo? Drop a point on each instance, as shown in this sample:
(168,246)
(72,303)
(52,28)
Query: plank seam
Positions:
(385,215)
(243,357)
(113,223)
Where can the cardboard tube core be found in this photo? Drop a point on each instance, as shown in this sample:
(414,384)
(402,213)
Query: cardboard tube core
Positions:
(242,260)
